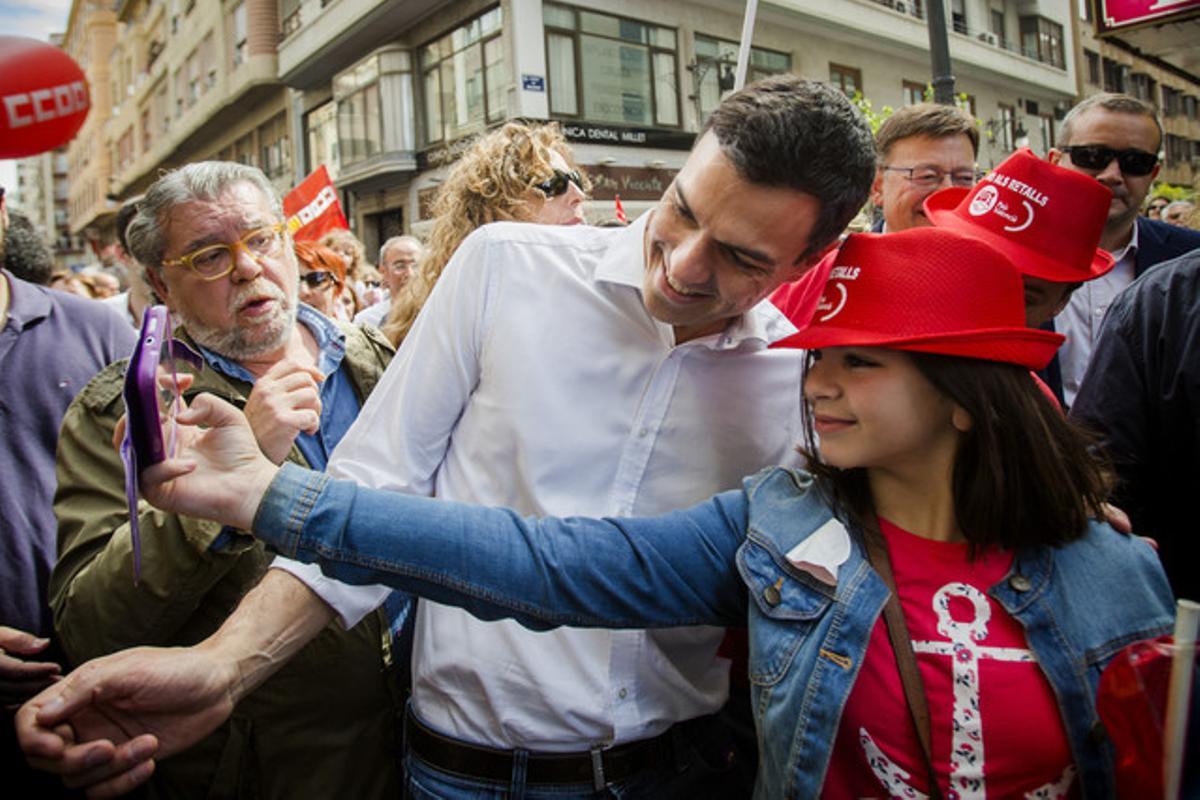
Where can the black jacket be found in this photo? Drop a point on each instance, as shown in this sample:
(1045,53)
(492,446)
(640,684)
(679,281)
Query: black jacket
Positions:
(1142,394)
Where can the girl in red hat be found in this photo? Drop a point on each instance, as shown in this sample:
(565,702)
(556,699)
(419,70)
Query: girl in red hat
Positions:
(930,605)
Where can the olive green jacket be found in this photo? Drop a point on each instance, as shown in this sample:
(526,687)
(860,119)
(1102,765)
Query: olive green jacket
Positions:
(325,724)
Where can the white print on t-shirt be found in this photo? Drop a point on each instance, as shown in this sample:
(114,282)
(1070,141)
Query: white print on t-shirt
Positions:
(966,755)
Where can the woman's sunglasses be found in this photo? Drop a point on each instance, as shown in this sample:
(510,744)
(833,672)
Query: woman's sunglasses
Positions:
(317,279)
(1097,156)
(559,183)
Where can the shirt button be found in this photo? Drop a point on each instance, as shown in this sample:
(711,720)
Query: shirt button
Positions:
(1020,583)
(772,596)
(621,694)
(643,433)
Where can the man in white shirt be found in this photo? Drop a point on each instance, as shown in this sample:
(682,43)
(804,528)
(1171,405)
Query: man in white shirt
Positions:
(577,370)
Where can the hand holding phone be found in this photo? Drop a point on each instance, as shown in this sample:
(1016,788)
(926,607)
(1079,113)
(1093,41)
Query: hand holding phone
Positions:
(152,362)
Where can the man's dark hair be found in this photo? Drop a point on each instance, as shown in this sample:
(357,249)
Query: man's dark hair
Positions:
(934,120)
(800,134)
(1023,474)
(26,254)
(124,217)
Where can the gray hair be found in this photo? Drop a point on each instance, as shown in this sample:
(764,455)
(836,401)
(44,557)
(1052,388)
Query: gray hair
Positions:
(1109,101)
(1186,205)
(405,239)
(203,181)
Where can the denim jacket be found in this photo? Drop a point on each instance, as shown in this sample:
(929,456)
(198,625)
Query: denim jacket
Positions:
(723,562)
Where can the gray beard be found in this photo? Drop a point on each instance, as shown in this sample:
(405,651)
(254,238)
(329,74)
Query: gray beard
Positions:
(232,343)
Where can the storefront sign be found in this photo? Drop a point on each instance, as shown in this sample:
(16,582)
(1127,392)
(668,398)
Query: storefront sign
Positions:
(635,137)
(1120,15)
(631,183)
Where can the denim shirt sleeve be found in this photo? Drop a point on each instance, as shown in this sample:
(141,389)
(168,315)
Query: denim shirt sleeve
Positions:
(674,569)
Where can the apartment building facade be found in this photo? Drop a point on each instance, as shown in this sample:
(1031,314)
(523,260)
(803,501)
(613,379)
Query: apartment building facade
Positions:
(1114,64)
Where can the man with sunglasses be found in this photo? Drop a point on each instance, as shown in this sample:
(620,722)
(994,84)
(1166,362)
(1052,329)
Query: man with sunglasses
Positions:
(1115,139)
(51,344)
(212,240)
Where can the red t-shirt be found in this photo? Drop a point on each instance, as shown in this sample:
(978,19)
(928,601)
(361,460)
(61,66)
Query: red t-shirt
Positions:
(995,725)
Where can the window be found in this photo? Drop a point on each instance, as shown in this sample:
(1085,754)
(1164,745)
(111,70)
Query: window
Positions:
(125,149)
(161,108)
(243,150)
(289,15)
(192,67)
(1142,86)
(848,79)
(1046,131)
(1006,129)
(611,69)
(1093,66)
(239,34)
(464,79)
(359,133)
(997,27)
(1116,75)
(180,81)
(716,60)
(1043,40)
(208,62)
(1178,150)
(274,153)
(147,131)
(1190,106)
(913,92)
(1172,101)
(958,15)
(320,126)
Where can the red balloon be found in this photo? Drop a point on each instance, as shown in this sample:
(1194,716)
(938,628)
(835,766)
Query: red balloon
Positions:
(43,97)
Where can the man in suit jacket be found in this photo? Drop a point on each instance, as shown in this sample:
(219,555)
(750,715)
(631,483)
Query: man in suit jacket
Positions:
(1116,139)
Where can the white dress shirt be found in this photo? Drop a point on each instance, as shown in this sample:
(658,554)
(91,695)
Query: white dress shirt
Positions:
(535,379)
(374,315)
(1080,320)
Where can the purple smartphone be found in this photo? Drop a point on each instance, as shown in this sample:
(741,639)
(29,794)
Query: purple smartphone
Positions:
(143,443)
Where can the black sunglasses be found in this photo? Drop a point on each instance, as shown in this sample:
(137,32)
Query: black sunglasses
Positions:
(317,279)
(558,184)
(1097,156)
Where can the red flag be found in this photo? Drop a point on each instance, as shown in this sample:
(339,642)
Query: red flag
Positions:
(620,210)
(312,208)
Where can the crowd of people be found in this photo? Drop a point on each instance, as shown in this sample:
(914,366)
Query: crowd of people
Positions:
(725,502)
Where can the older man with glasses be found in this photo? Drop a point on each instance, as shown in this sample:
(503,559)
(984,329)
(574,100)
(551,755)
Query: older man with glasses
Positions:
(1115,139)
(212,238)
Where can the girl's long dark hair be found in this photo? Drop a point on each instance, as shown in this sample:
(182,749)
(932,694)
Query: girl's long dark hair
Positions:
(1024,474)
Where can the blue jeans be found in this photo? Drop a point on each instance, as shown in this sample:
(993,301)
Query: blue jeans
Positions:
(703,768)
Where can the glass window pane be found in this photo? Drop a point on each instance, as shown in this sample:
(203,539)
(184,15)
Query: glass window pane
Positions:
(497,78)
(663,37)
(558,16)
(600,23)
(616,81)
(466,86)
(491,21)
(433,106)
(666,93)
(561,66)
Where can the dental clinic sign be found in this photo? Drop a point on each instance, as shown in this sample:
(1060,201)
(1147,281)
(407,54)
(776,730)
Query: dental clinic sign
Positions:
(1113,16)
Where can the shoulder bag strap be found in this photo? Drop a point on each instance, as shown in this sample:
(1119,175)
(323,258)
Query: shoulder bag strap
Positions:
(906,659)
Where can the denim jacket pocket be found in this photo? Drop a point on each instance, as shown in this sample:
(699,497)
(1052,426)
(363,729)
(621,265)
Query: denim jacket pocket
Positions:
(785,611)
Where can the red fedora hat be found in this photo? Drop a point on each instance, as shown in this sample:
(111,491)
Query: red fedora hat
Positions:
(929,290)
(1045,218)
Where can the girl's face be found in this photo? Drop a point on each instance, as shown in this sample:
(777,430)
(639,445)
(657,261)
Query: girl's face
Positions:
(873,408)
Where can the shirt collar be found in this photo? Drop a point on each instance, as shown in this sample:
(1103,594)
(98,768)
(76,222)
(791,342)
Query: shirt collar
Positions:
(1129,250)
(624,264)
(27,303)
(331,346)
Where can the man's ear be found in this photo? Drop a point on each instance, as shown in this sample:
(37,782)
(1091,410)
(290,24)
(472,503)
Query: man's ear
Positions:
(877,188)
(154,278)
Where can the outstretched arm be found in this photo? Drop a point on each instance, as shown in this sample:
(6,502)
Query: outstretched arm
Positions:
(677,569)
(102,725)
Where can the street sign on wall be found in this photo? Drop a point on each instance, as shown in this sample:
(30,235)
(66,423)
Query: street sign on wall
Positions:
(1114,16)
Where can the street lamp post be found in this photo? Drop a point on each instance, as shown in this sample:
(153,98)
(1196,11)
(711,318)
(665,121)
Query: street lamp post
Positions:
(939,53)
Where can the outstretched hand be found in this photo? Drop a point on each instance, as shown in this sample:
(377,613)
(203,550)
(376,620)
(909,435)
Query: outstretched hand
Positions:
(101,726)
(21,677)
(218,473)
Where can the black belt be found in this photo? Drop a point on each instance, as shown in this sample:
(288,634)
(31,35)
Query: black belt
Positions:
(599,766)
